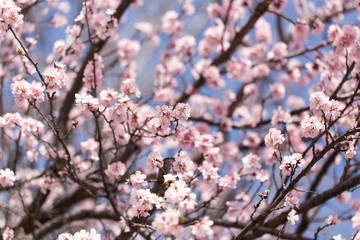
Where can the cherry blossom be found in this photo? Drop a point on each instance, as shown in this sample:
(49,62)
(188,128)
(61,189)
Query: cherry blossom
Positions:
(170,23)
(55,77)
(93,72)
(311,126)
(143,201)
(138,179)
(129,87)
(127,49)
(333,220)
(10,15)
(292,217)
(182,164)
(7,177)
(289,163)
(115,170)
(82,234)
(167,222)
(274,137)
(8,234)
(202,229)
(155,160)
(86,101)
(181,119)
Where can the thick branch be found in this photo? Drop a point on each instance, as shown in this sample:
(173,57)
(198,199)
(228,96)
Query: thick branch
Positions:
(70,217)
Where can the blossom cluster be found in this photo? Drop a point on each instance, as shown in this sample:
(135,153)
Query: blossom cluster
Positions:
(9,15)
(7,178)
(24,91)
(82,234)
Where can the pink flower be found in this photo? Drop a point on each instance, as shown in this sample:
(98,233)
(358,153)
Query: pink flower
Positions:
(301,32)
(278,5)
(263,31)
(144,27)
(218,108)
(10,119)
(182,111)
(58,20)
(333,220)
(115,170)
(251,161)
(228,182)
(204,143)
(10,15)
(89,78)
(280,116)
(289,163)
(292,217)
(310,126)
(90,147)
(338,237)
(355,220)
(213,78)
(188,202)
(334,32)
(344,197)
(172,64)
(262,175)
(278,53)
(7,177)
(187,136)
(83,234)
(274,137)
(277,90)
(23,91)
(168,222)
(318,26)
(335,108)
(292,201)
(176,192)
(143,201)
(203,229)
(107,96)
(55,77)
(169,179)
(137,180)
(124,225)
(37,91)
(165,115)
(155,160)
(182,164)
(259,71)
(129,87)
(86,101)
(65,236)
(8,234)
(118,112)
(252,139)
(350,150)
(185,46)
(170,23)
(209,172)
(127,49)
(32,156)
(31,127)
(347,36)
(59,47)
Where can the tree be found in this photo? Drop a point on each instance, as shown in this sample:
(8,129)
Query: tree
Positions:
(232,119)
